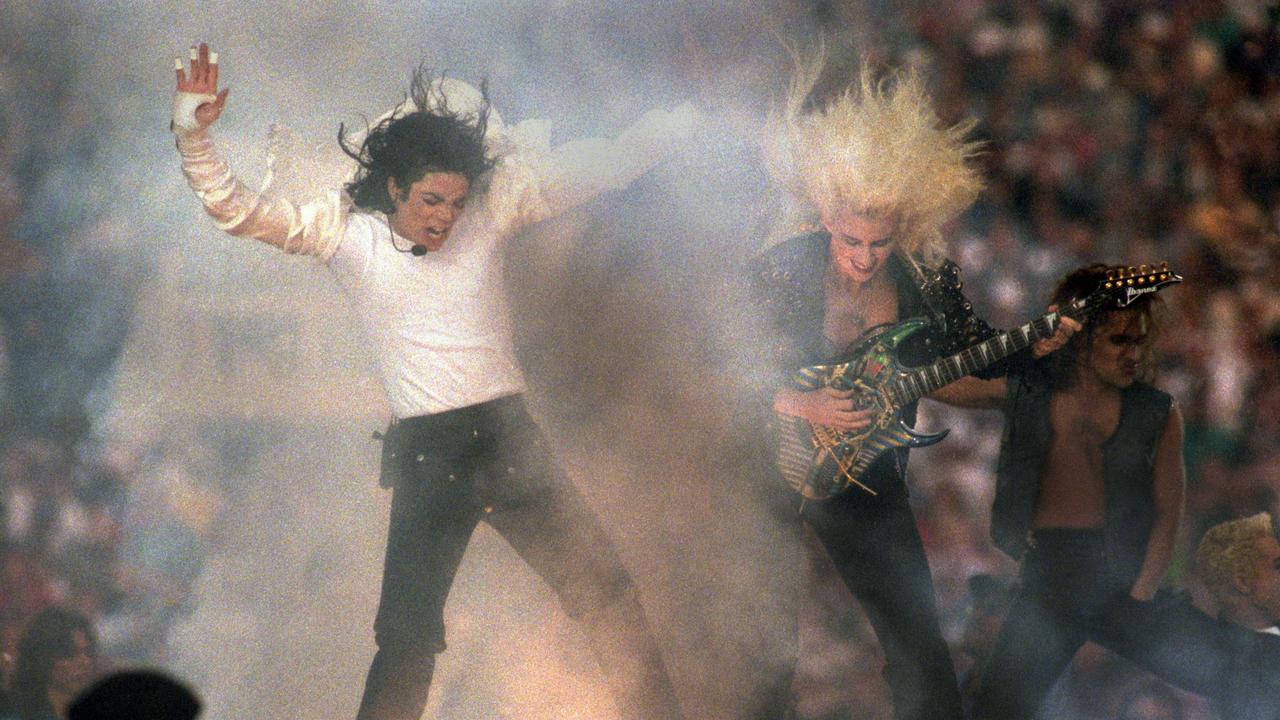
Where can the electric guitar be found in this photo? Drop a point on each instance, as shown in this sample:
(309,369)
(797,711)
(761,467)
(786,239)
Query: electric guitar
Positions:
(820,462)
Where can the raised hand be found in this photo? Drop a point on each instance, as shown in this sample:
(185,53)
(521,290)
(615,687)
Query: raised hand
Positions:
(203,81)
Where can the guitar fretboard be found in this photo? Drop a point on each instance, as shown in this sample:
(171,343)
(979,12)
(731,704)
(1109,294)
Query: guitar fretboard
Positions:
(923,380)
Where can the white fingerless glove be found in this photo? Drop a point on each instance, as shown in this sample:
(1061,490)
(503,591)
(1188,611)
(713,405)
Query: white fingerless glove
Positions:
(184,112)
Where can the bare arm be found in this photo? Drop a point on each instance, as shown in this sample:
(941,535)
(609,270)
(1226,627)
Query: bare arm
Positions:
(972,393)
(314,228)
(945,295)
(1168,492)
(977,393)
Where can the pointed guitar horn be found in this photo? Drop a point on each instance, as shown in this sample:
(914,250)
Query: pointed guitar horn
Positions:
(919,439)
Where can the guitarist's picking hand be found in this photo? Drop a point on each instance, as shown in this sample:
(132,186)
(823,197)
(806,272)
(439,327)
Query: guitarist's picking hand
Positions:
(824,406)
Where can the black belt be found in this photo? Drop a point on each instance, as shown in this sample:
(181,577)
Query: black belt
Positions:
(478,417)
(459,432)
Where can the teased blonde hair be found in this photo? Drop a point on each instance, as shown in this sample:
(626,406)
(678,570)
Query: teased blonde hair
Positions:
(1228,551)
(879,149)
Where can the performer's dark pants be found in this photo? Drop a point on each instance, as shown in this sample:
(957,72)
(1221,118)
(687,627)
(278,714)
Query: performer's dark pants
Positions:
(490,462)
(875,546)
(1068,596)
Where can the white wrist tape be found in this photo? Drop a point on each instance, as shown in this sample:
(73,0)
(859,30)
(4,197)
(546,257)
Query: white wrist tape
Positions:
(184,111)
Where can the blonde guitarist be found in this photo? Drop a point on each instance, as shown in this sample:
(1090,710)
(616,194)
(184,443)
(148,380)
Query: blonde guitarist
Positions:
(881,176)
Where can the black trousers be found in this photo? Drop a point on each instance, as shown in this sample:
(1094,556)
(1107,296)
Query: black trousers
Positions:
(1068,596)
(875,546)
(489,462)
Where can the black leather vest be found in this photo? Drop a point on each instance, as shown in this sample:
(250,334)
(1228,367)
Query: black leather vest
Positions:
(1128,459)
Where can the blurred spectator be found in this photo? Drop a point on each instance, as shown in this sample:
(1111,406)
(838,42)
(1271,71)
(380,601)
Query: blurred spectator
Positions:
(1239,562)
(137,695)
(10,632)
(56,660)
(1152,701)
(160,556)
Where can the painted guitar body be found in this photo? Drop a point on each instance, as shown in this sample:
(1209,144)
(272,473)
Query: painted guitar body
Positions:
(819,462)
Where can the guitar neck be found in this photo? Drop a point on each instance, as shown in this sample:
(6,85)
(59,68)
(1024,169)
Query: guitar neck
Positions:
(921,381)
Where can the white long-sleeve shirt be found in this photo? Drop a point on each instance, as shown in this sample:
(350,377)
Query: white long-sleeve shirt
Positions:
(439,323)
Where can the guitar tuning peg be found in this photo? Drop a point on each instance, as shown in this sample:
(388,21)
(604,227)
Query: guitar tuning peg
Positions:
(1164,267)
(1142,269)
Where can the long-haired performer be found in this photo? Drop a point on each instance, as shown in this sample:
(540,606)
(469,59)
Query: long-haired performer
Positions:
(415,240)
(1089,495)
(881,176)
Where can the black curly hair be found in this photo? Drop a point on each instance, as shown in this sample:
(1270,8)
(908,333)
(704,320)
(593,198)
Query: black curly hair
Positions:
(406,146)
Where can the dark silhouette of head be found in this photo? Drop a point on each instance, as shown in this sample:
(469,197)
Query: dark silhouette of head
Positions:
(56,652)
(137,695)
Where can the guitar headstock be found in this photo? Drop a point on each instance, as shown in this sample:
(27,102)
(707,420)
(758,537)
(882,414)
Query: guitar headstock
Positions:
(1124,285)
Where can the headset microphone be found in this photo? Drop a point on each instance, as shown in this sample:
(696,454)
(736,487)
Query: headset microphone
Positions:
(415,249)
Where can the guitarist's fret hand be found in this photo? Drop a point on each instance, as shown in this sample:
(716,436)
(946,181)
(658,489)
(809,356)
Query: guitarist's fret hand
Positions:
(1067,327)
(824,406)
